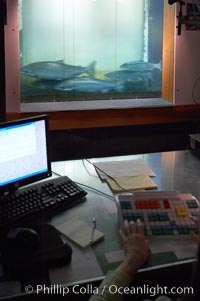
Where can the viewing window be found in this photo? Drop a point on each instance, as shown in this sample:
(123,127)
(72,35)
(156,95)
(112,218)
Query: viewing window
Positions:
(90,49)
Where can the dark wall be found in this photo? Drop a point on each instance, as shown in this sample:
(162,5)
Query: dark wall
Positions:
(100,142)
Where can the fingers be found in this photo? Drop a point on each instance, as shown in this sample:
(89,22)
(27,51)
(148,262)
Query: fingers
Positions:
(140,227)
(123,237)
(129,227)
(132,228)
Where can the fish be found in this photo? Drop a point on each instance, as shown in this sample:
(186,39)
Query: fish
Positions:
(56,70)
(43,84)
(140,66)
(124,75)
(88,85)
(137,85)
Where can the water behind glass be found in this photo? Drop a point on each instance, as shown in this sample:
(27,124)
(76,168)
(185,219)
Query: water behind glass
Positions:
(90,49)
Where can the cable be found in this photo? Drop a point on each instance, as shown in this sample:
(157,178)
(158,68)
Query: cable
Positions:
(57,174)
(105,173)
(96,176)
(96,190)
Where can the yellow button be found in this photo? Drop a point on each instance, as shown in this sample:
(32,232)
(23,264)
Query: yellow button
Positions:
(181,212)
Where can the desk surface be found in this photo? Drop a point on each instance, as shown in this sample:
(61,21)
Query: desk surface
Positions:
(175,171)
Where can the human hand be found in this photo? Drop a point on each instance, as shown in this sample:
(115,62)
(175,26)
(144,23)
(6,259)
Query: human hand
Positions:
(136,246)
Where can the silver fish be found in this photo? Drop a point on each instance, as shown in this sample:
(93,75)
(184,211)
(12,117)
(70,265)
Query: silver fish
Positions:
(140,66)
(43,84)
(123,75)
(56,70)
(88,85)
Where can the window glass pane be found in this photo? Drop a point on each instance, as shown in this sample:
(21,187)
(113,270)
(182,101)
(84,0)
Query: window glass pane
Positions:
(90,49)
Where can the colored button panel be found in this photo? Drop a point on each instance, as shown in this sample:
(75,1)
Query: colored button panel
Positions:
(125,204)
(127,216)
(163,216)
(192,204)
(139,205)
(183,229)
(138,216)
(196,213)
(157,230)
(193,228)
(153,217)
(173,225)
(144,204)
(155,204)
(167,230)
(132,216)
(186,229)
(181,212)
(166,204)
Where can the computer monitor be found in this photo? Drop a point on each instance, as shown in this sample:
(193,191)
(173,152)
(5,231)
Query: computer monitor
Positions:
(23,152)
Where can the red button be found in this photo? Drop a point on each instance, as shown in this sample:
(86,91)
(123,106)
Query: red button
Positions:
(167,204)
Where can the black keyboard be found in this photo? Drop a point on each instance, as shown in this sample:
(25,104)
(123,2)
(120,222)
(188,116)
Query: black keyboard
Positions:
(39,202)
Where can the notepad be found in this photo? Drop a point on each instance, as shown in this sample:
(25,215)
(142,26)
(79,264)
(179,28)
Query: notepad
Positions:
(131,183)
(80,232)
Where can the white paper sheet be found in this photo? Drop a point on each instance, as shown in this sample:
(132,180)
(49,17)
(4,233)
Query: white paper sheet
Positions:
(125,168)
(115,256)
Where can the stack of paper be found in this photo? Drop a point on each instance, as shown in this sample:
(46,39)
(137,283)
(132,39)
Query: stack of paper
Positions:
(131,183)
(126,175)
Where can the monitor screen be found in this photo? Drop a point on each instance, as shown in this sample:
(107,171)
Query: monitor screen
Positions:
(23,152)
